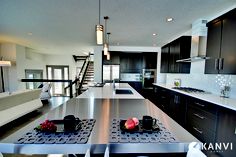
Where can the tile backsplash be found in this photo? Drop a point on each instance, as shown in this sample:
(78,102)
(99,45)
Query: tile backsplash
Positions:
(207,82)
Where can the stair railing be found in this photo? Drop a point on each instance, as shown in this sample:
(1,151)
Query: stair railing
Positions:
(83,76)
(78,82)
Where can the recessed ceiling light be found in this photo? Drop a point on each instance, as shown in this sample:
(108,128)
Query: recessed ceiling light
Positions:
(154,34)
(169,19)
(30,33)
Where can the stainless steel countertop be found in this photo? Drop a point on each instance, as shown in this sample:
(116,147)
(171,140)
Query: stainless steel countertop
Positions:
(107,91)
(103,110)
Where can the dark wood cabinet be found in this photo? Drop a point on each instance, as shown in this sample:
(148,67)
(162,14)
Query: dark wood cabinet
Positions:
(131,62)
(176,50)
(165,59)
(149,60)
(221,47)
(136,85)
(213,48)
(177,108)
(114,59)
(226,130)
(162,98)
(208,122)
(228,46)
(201,119)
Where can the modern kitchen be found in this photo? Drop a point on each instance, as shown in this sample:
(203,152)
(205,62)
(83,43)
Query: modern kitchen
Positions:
(140,88)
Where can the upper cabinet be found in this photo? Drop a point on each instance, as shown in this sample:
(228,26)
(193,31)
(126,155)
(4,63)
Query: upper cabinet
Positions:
(114,58)
(164,59)
(221,47)
(175,50)
(149,60)
(132,62)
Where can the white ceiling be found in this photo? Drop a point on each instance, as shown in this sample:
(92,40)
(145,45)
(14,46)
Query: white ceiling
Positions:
(68,26)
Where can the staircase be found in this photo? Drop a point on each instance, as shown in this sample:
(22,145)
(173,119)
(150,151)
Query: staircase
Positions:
(85,78)
(89,76)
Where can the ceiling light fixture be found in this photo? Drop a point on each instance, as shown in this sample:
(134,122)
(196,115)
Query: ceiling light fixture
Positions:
(108,53)
(5,63)
(30,33)
(99,28)
(105,46)
(154,34)
(169,19)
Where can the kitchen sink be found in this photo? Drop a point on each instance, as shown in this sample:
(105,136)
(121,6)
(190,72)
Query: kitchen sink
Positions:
(123,91)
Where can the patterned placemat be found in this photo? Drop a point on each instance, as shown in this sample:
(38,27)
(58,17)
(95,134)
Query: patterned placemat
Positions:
(81,136)
(117,136)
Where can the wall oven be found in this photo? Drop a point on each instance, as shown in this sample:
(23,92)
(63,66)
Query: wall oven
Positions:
(149,77)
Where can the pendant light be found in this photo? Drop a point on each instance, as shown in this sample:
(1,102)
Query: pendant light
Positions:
(99,29)
(105,46)
(108,53)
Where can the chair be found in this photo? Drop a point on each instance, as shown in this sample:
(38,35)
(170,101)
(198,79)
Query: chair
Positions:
(45,94)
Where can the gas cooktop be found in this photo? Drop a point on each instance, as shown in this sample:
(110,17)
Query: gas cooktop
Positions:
(189,89)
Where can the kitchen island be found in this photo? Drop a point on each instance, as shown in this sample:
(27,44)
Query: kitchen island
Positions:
(103,111)
(108,91)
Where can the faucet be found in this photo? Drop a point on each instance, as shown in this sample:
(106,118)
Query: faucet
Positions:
(114,84)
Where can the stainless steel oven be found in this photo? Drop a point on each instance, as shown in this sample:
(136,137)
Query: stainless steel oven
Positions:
(149,77)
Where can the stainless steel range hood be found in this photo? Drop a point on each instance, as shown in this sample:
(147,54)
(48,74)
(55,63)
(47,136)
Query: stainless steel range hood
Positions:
(199,41)
(198,49)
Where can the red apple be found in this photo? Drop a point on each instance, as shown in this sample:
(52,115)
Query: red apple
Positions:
(136,121)
(130,124)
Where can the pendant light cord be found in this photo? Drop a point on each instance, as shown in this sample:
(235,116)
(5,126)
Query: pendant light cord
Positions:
(99,12)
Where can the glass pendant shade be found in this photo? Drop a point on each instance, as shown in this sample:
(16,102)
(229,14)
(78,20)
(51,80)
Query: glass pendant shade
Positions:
(99,34)
(105,49)
(108,56)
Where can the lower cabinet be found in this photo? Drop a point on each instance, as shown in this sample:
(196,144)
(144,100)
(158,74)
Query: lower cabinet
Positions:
(226,131)
(209,123)
(202,119)
(177,108)
(162,98)
(136,85)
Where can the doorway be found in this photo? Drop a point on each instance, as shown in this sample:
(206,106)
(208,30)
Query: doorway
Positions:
(33,74)
(58,72)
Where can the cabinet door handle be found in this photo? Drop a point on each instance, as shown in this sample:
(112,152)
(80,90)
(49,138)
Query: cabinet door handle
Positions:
(199,104)
(163,97)
(196,129)
(217,64)
(197,115)
(221,63)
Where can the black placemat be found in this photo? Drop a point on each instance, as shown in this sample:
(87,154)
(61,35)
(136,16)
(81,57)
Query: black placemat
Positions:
(81,136)
(118,136)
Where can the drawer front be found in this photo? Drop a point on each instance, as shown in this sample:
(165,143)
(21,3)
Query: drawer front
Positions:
(203,118)
(203,135)
(203,105)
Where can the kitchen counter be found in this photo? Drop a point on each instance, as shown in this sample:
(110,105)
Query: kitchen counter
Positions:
(107,91)
(215,99)
(103,110)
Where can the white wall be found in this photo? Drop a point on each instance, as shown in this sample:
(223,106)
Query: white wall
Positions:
(23,58)
(62,60)
(98,57)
